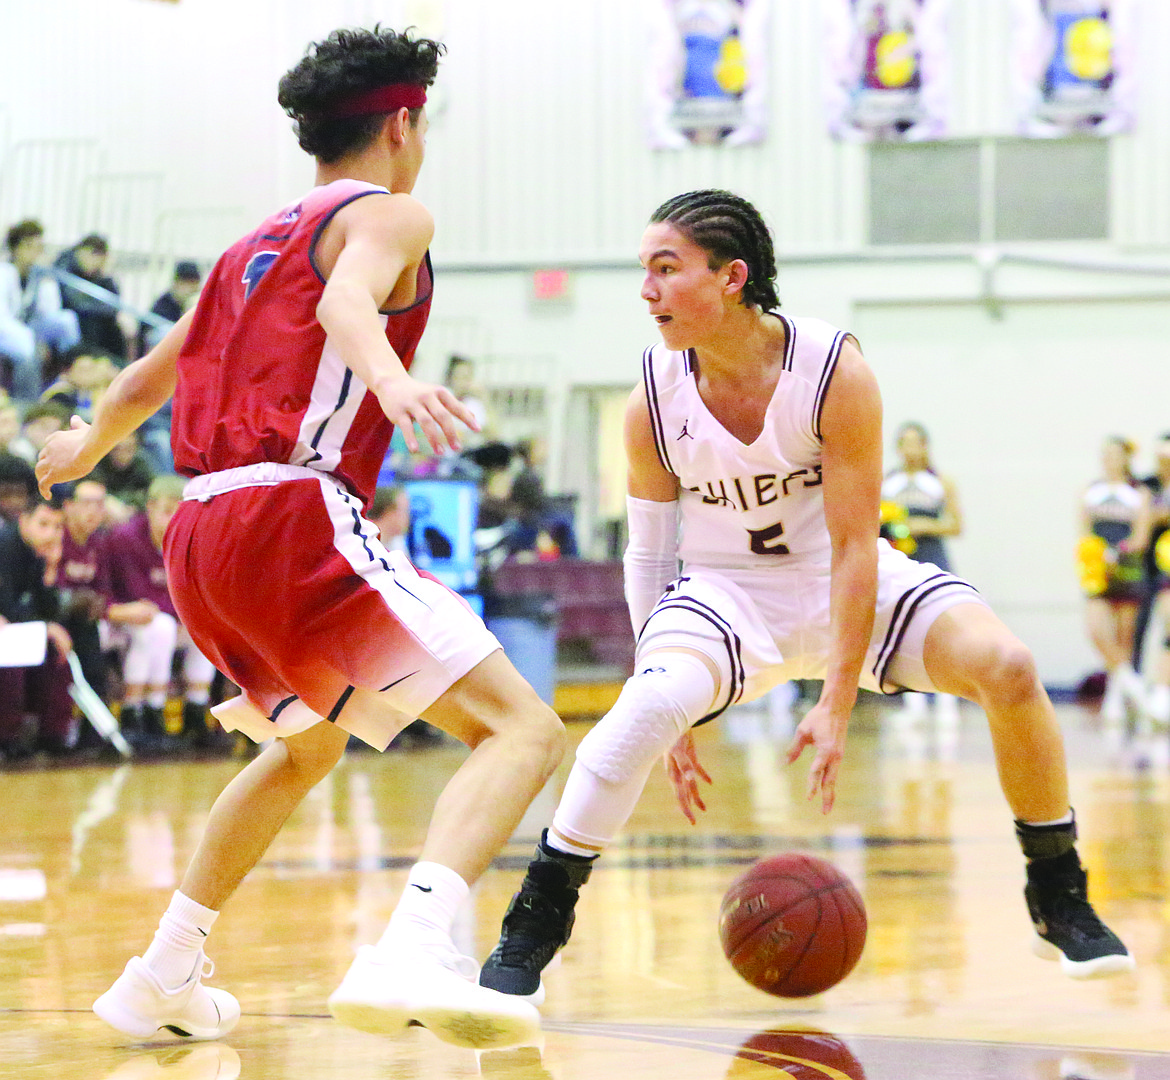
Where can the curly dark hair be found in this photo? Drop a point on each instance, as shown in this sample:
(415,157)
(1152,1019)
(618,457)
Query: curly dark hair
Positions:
(349,62)
(727,227)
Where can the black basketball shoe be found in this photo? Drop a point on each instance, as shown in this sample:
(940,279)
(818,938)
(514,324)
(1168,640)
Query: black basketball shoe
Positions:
(1067,927)
(537,924)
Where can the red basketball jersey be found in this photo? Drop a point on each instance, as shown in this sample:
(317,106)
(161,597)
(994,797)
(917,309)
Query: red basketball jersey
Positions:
(258,379)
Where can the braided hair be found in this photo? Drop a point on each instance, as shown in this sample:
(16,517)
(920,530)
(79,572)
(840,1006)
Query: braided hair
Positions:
(727,228)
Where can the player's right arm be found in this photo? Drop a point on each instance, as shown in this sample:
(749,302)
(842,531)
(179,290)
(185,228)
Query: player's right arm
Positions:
(135,395)
(651,563)
(364,254)
(651,557)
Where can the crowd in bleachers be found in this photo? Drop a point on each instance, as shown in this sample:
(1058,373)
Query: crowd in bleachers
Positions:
(88,562)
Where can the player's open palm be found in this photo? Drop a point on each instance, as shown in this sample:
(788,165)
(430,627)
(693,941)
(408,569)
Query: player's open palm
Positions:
(407,402)
(62,459)
(824,730)
(685,772)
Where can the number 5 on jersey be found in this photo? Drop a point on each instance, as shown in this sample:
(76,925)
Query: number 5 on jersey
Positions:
(764,540)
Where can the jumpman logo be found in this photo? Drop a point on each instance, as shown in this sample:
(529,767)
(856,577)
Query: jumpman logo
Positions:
(684,433)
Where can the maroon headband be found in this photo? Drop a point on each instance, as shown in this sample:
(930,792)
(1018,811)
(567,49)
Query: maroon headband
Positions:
(383,99)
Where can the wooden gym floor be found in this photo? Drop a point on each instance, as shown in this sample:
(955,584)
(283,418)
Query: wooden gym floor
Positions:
(947,988)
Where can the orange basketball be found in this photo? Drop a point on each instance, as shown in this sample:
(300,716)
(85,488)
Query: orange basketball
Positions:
(792,925)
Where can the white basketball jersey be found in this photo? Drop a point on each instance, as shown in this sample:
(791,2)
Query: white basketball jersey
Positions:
(748,506)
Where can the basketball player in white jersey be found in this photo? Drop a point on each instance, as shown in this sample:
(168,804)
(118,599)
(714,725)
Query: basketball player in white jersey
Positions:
(762,434)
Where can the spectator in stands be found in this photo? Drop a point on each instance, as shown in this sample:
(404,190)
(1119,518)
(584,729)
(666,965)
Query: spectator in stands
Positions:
(84,580)
(127,473)
(83,577)
(9,425)
(41,419)
(32,319)
(390,514)
(137,573)
(97,316)
(460,380)
(155,433)
(36,711)
(538,526)
(171,304)
(87,375)
(18,485)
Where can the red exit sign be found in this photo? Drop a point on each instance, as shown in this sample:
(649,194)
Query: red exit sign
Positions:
(551,285)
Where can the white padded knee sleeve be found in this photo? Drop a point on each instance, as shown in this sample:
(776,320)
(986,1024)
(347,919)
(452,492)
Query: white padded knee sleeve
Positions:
(592,811)
(669,692)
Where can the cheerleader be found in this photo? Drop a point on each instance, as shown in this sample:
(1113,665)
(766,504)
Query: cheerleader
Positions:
(1153,537)
(1111,574)
(927,507)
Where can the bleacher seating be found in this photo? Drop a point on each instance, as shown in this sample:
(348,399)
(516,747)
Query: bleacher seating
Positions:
(590,604)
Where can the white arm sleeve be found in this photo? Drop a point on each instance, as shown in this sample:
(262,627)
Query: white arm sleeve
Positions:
(651,558)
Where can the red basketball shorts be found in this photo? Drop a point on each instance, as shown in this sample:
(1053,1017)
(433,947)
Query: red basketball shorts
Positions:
(285,587)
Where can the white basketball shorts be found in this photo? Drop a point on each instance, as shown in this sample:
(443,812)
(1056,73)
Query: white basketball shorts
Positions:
(763,627)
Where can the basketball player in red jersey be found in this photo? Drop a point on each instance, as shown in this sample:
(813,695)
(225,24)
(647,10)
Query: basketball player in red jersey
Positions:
(288,378)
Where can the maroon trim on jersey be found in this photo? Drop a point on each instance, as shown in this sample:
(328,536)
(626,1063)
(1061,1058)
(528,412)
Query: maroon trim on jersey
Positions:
(321,225)
(420,296)
(382,99)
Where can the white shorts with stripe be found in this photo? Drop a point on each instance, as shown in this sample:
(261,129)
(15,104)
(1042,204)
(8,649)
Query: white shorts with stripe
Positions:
(765,627)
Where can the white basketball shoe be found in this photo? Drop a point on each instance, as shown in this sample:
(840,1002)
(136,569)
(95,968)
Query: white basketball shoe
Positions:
(207,1062)
(139,1005)
(385,991)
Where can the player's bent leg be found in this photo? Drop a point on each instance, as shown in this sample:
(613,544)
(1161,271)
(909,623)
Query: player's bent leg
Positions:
(252,808)
(414,973)
(164,988)
(516,741)
(969,652)
(670,692)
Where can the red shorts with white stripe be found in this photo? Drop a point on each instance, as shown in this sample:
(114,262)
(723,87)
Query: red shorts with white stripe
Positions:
(286,588)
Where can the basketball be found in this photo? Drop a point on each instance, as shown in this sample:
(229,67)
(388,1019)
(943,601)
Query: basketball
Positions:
(799,1053)
(792,925)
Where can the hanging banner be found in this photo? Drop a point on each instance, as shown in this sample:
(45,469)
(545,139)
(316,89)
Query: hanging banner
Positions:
(887,68)
(708,72)
(1074,66)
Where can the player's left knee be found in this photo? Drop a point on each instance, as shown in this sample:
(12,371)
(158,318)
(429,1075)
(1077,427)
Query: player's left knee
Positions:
(1008,673)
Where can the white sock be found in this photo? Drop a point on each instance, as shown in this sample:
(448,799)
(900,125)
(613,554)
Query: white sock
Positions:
(427,908)
(568,847)
(1066,820)
(157,699)
(174,953)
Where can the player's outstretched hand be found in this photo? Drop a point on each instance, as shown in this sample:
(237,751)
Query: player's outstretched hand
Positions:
(407,402)
(685,772)
(61,458)
(824,731)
